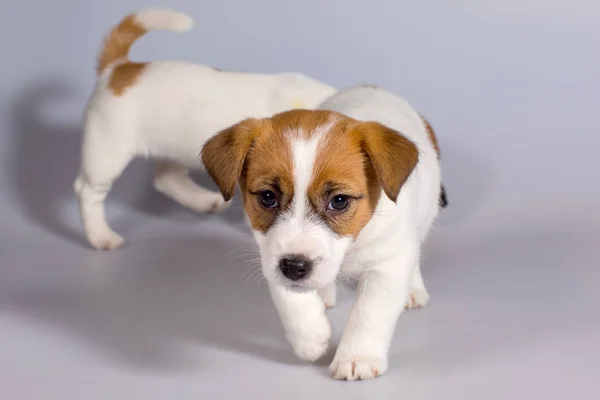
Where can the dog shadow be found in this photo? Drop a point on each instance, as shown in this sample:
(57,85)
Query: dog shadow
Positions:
(157,305)
(45,161)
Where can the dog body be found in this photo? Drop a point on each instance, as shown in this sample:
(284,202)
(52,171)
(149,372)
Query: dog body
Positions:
(350,190)
(167,110)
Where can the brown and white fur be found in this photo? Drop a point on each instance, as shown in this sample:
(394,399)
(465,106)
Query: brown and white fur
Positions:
(351,189)
(167,110)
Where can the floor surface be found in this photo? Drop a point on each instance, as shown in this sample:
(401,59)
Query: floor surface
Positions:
(179,312)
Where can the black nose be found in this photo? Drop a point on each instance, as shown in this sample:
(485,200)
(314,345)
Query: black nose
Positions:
(295,267)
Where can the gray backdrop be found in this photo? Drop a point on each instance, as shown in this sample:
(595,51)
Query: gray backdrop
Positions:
(511,87)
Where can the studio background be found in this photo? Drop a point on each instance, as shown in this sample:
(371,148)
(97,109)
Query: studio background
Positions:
(511,88)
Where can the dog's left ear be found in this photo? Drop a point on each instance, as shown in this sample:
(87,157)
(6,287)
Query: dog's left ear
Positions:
(392,155)
(224,154)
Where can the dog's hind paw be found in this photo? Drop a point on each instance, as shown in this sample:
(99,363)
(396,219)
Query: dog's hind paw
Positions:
(108,241)
(418,298)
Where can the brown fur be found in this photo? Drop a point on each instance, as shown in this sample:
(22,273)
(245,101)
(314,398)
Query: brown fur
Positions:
(343,168)
(116,48)
(302,123)
(119,41)
(393,156)
(432,136)
(124,76)
(225,153)
(357,159)
(268,167)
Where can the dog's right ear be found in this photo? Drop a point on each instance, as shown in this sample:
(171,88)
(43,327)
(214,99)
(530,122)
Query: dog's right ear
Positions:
(224,154)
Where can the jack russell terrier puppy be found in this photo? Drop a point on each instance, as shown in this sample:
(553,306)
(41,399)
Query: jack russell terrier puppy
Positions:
(167,110)
(351,189)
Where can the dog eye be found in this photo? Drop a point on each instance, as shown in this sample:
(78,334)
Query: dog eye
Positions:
(268,199)
(339,203)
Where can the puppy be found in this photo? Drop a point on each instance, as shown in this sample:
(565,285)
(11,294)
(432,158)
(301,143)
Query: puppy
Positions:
(167,110)
(351,189)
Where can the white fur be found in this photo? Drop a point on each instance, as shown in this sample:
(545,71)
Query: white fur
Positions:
(168,114)
(385,256)
(296,232)
(164,19)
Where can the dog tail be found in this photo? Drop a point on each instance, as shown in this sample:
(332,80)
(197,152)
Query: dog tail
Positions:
(118,42)
(443,199)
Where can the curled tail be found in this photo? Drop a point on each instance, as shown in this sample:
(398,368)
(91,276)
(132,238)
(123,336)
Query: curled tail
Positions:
(118,42)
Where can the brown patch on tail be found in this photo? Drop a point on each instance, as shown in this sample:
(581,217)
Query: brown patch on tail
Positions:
(116,48)
(119,41)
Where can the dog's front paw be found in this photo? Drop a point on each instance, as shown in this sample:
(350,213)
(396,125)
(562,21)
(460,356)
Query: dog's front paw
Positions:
(106,240)
(311,342)
(352,368)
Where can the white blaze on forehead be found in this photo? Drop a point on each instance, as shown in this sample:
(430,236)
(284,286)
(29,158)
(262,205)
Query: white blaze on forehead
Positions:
(297,231)
(304,153)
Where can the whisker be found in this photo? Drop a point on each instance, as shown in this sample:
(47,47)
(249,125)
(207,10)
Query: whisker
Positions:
(346,279)
(253,274)
(251,265)
(258,278)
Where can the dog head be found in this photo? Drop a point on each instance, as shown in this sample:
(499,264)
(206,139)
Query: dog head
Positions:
(310,182)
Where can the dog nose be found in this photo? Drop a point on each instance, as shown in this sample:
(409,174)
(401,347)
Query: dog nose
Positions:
(295,267)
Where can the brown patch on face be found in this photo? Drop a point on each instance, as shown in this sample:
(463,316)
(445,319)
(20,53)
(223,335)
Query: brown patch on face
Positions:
(258,154)
(119,41)
(431,135)
(303,123)
(269,163)
(268,167)
(358,160)
(124,76)
(355,159)
(342,168)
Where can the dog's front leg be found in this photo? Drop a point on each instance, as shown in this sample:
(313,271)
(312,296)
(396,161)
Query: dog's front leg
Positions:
(304,321)
(382,294)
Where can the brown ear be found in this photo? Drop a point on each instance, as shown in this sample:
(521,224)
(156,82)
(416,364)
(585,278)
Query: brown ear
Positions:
(392,155)
(224,154)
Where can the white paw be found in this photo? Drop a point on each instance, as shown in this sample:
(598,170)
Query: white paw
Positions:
(107,241)
(357,368)
(311,342)
(219,205)
(417,298)
(210,203)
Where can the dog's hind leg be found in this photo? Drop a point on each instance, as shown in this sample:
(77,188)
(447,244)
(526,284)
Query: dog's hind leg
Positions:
(173,180)
(417,295)
(102,163)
